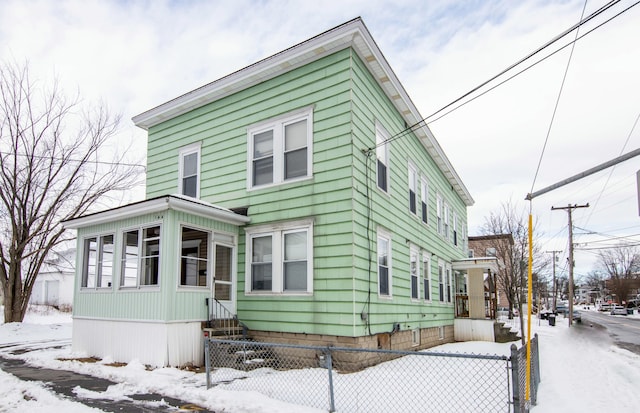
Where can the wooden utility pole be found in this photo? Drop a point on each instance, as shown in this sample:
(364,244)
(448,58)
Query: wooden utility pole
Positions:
(569,209)
(554,278)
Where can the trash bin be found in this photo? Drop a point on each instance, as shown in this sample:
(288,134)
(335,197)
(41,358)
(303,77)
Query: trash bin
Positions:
(630,311)
(552,319)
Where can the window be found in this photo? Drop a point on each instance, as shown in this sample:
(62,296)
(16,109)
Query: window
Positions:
(471,255)
(448,282)
(384,265)
(141,257)
(439,207)
(415,337)
(441,280)
(413,187)
(194,253)
(446,222)
(189,183)
(490,252)
(414,271)
(455,228)
(424,194)
(382,155)
(426,276)
(280,150)
(280,259)
(97,263)
(441,332)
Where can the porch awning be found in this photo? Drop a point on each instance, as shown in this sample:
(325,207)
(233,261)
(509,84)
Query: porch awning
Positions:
(158,204)
(483,263)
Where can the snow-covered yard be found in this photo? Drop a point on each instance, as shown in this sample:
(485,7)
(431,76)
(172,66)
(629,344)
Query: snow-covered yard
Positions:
(581,371)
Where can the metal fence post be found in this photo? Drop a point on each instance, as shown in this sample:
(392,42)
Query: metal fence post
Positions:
(207,361)
(536,370)
(515,378)
(329,364)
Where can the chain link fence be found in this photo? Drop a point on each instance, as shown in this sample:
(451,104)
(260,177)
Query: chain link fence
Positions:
(339,379)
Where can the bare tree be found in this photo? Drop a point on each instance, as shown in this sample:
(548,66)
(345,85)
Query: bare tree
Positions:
(51,170)
(622,266)
(512,278)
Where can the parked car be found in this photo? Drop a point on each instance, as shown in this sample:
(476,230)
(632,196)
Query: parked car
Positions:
(577,317)
(618,310)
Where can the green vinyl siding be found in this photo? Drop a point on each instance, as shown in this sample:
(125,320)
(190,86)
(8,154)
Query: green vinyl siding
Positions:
(346,103)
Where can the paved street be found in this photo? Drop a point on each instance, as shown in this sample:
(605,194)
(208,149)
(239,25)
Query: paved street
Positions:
(625,331)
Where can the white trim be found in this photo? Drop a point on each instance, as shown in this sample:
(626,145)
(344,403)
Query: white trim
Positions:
(426,257)
(414,250)
(352,34)
(383,154)
(381,233)
(155,205)
(277,126)
(413,178)
(194,243)
(184,151)
(277,232)
(140,228)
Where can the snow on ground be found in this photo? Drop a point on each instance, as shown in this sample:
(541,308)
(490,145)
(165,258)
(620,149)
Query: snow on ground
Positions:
(581,370)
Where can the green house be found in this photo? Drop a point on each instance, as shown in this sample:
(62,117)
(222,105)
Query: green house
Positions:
(301,196)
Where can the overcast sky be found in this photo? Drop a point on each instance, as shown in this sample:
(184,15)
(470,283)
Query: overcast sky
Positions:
(135,55)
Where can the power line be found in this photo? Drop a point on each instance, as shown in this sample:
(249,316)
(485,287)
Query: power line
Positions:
(134,165)
(604,8)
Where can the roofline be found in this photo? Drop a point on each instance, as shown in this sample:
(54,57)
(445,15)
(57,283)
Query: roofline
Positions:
(352,34)
(154,205)
(508,237)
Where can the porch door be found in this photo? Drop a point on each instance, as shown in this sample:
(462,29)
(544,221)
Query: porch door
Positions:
(223,277)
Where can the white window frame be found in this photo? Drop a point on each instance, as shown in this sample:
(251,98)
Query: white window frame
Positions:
(414,273)
(209,258)
(140,257)
(189,150)
(439,212)
(413,188)
(441,282)
(383,157)
(277,233)
(447,215)
(424,198)
(449,283)
(426,275)
(455,239)
(277,125)
(384,235)
(98,262)
(415,337)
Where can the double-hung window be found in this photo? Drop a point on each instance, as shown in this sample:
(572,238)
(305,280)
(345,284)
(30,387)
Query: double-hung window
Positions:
(441,281)
(426,276)
(97,262)
(189,181)
(455,228)
(413,188)
(446,222)
(439,212)
(280,150)
(281,259)
(424,196)
(141,257)
(449,282)
(414,269)
(384,264)
(194,257)
(382,159)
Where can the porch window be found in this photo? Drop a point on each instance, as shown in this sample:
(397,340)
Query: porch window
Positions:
(414,271)
(189,183)
(426,276)
(97,263)
(280,149)
(194,253)
(384,264)
(141,257)
(281,259)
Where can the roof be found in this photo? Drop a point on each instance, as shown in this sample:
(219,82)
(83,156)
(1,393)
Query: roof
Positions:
(492,237)
(153,205)
(352,34)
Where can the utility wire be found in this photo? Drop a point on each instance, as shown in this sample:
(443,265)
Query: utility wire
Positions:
(604,8)
(24,155)
(555,108)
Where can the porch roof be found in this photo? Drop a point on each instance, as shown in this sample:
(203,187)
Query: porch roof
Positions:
(484,263)
(158,204)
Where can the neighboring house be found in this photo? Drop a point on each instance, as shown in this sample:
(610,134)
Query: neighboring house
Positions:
(292,194)
(489,246)
(55,282)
